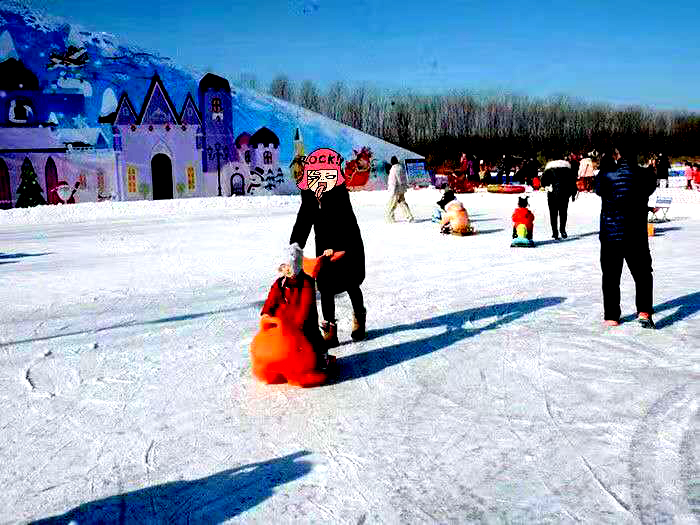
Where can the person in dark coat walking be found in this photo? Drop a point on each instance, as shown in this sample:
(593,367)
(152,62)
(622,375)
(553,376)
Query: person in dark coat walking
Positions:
(662,167)
(560,181)
(529,170)
(328,210)
(624,189)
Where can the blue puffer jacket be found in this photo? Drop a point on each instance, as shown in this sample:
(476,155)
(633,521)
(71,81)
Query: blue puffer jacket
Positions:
(625,193)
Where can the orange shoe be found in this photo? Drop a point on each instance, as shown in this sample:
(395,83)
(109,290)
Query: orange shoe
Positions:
(612,322)
(645,320)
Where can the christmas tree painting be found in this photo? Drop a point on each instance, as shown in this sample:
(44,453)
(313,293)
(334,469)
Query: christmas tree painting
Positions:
(29,193)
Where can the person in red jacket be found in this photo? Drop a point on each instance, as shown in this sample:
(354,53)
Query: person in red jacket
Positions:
(522,215)
(293,298)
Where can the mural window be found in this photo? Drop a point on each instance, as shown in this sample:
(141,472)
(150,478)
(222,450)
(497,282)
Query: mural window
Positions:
(100,181)
(190,178)
(247,157)
(131,178)
(216,105)
(21,111)
(267,157)
(82,178)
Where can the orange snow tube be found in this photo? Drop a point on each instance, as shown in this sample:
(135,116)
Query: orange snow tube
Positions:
(280,353)
(313,265)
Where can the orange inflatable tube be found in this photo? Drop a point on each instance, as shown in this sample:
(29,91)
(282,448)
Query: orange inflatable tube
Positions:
(279,351)
(281,354)
(313,265)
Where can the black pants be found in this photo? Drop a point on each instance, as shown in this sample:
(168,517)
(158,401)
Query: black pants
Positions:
(328,303)
(638,259)
(558,206)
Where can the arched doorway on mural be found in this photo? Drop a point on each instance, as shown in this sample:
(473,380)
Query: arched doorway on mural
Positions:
(162,177)
(5,189)
(237,184)
(51,182)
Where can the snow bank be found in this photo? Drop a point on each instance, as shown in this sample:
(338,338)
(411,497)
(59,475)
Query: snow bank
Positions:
(685,204)
(100,211)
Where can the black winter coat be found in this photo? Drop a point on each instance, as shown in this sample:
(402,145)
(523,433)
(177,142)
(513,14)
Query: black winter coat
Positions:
(625,193)
(335,227)
(662,168)
(561,177)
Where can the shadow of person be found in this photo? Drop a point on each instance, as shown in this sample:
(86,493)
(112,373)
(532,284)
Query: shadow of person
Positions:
(661,231)
(568,239)
(174,319)
(367,363)
(686,306)
(209,500)
(492,230)
(21,255)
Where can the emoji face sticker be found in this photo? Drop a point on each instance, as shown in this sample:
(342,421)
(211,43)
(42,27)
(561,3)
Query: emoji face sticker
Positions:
(322,172)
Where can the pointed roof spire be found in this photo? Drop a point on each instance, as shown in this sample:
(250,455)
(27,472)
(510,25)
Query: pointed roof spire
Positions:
(296,134)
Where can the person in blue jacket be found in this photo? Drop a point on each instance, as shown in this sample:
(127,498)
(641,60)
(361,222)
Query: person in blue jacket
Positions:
(624,189)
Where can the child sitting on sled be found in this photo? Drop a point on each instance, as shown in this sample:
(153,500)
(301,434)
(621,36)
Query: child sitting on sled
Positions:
(455,220)
(522,215)
(292,298)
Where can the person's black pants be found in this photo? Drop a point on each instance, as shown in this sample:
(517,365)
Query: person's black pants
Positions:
(328,303)
(558,207)
(638,259)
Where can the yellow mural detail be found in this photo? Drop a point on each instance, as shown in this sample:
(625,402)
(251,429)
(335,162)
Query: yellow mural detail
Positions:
(190,178)
(131,177)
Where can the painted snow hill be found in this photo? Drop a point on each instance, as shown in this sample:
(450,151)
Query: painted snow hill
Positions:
(124,123)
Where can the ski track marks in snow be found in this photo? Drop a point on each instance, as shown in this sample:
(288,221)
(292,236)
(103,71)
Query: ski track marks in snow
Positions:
(481,412)
(657,447)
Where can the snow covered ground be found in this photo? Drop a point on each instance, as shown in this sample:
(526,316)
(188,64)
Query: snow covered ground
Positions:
(488,390)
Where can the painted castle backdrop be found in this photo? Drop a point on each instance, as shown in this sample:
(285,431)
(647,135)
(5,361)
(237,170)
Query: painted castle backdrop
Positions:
(125,124)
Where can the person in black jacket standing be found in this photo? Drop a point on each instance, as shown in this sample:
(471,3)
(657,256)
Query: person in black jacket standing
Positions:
(624,189)
(325,206)
(662,167)
(560,182)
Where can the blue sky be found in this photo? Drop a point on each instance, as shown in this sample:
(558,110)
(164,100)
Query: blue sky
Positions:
(620,52)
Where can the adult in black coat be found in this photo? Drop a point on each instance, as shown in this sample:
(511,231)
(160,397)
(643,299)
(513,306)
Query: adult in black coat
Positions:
(662,167)
(624,189)
(560,181)
(529,171)
(335,228)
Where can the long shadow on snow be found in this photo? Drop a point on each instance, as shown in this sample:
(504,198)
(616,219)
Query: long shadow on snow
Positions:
(209,500)
(173,319)
(660,232)
(568,239)
(484,232)
(686,306)
(21,255)
(367,363)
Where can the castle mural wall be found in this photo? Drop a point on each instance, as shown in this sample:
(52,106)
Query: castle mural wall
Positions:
(147,150)
(84,108)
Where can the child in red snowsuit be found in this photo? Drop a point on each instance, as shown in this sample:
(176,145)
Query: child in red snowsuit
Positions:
(293,298)
(522,215)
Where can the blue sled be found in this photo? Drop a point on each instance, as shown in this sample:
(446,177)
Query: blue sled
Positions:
(522,242)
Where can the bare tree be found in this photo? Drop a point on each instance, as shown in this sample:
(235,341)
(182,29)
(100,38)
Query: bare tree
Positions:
(248,80)
(308,96)
(281,87)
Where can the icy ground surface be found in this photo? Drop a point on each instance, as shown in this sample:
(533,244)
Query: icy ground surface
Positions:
(488,389)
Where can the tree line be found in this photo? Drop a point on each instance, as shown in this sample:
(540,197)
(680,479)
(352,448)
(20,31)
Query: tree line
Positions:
(440,126)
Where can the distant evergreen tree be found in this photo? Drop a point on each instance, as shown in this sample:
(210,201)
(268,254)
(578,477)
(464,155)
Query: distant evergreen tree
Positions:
(29,193)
